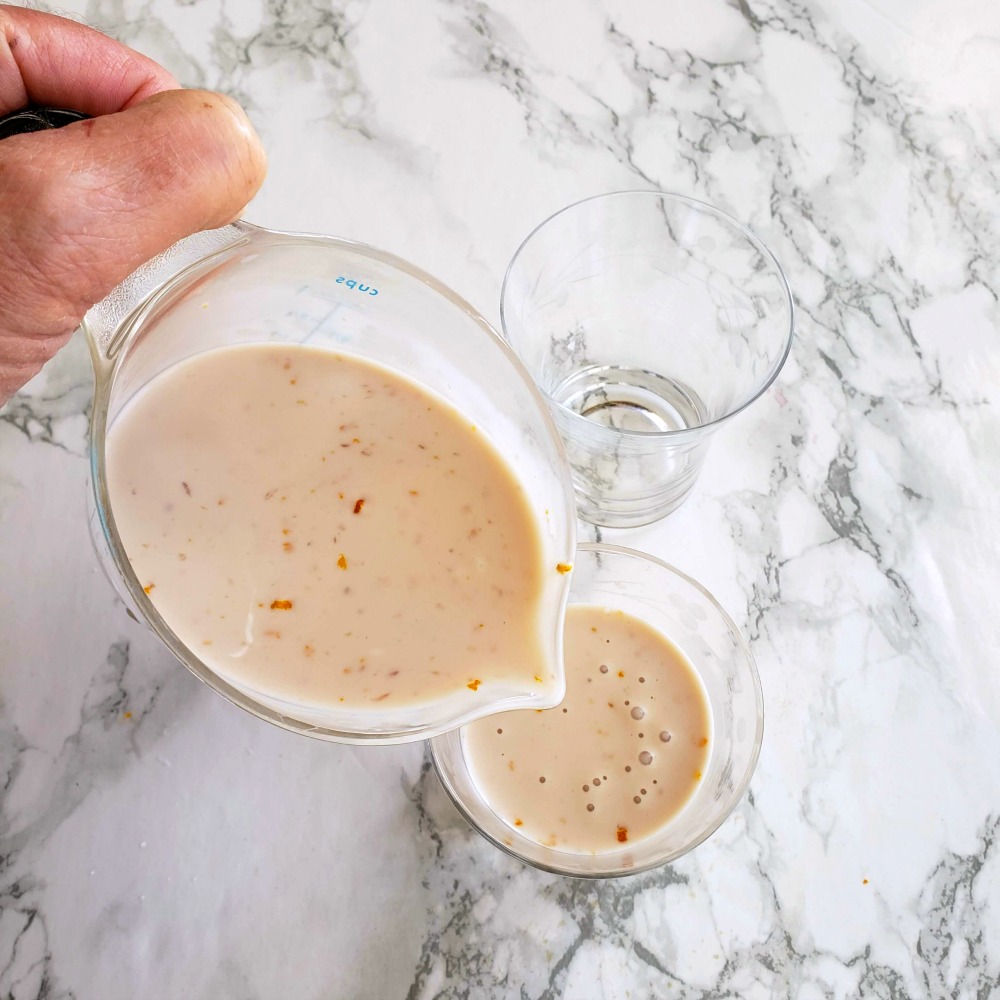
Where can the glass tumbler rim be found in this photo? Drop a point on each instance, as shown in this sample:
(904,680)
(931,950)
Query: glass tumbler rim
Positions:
(678,434)
(498,833)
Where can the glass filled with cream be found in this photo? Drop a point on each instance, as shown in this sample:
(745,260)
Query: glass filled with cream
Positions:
(650,750)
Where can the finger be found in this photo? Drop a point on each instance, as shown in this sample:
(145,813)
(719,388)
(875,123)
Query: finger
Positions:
(52,61)
(22,359)
(86,204)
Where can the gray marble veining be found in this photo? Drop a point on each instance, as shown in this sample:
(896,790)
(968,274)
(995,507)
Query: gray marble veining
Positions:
(156,842)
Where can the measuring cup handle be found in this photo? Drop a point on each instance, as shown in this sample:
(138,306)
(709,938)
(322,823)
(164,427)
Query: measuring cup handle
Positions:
(104,320)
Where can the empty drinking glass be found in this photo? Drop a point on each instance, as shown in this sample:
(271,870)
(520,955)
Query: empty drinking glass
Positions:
(648,320)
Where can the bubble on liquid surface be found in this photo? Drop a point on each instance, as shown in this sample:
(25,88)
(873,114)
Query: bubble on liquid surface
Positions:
(665,737)
(638,712)
(645,757)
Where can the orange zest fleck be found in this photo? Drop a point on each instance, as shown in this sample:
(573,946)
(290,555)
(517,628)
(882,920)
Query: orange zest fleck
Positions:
(149,587)
(358,504)
(287,546)
(128,715)
(281,605)
(697,775)
(621,673)
(474,685)
(381,697)
(564,568)
(622,834)
(342,561)
(703,742)
(864,881)
(308,650)
(538,679)
(518,822)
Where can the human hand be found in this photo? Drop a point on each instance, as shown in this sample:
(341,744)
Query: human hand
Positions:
(81,207)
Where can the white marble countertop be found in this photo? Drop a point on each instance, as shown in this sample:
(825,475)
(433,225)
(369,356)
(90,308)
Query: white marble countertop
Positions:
(157,842)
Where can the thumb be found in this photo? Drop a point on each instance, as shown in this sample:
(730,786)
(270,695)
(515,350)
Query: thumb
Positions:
(83,206)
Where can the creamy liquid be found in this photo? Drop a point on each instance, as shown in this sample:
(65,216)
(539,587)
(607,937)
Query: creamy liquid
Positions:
(617,760)
(321,529)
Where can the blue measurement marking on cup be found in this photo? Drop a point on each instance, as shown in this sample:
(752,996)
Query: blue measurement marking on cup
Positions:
(321,326)
(355,284)
(321,329)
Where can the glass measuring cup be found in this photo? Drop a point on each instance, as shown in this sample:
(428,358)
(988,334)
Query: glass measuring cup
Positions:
(244,284)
